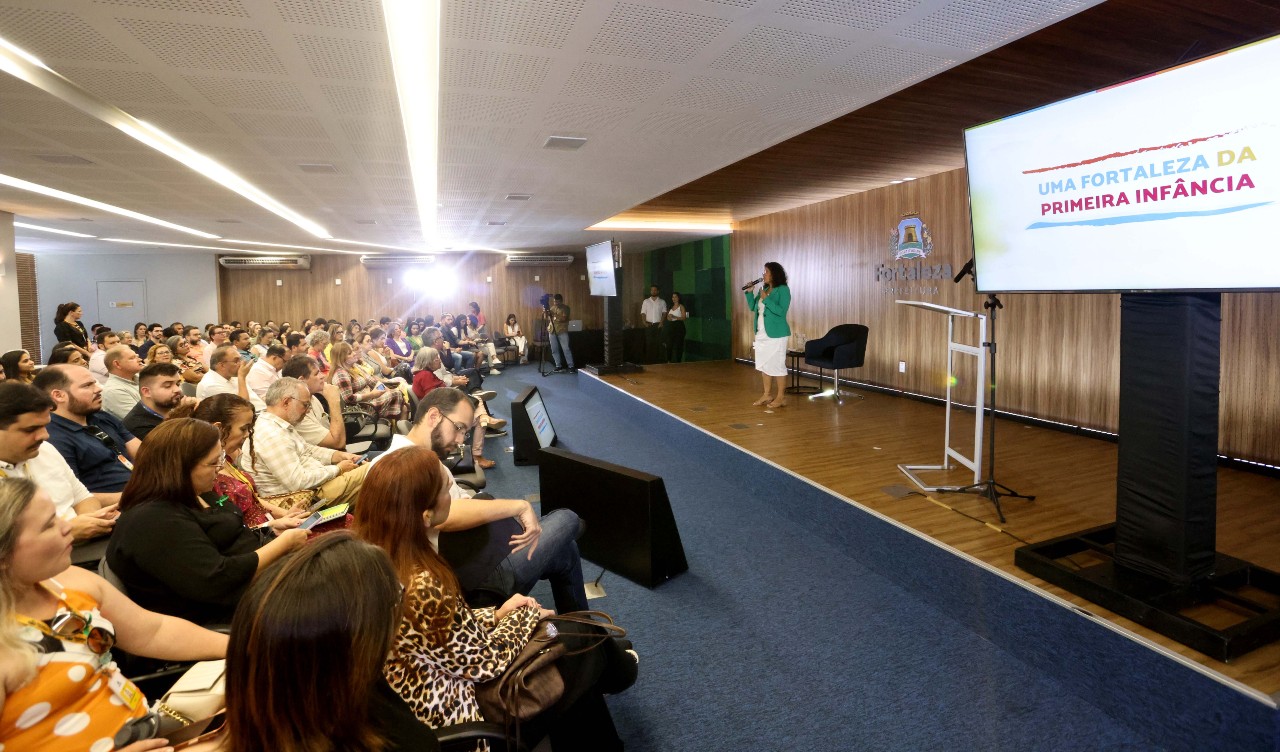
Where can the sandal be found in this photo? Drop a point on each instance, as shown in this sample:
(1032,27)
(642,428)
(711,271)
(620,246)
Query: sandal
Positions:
(762,401)
(776,405)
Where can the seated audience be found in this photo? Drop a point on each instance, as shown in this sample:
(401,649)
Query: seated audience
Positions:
(160,386)
(470,378)
(232,415)
(265,371)
(61,691)
(323,424)
(18,366)
(68,327)
(262,340)
(469,339)
(431,375)
(155,335)
(280,696)
(516,337)
(295,343)
(226,374)
(65,352)
(317,343)
(281,461)
(358,390)
(95,444)
(120,393)
(196,344)
(191,368)
(26,453)
(414,335)
(159,353)
(180,548)
(398,349)
(104,340)
(443,647)
(217,338)
(241,340)
(441,425)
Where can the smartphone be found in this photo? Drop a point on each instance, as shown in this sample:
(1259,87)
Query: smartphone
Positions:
(196,732)
(381,387)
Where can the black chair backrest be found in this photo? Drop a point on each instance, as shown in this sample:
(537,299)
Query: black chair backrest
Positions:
(855,334)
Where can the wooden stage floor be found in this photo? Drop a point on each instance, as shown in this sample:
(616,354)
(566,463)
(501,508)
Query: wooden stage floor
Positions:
(854,451)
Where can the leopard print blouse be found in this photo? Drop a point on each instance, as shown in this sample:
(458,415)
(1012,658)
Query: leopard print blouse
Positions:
(438,682)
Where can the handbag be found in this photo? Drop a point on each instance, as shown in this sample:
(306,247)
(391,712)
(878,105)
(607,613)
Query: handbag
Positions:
(196,695)
(294,499)
(535,682)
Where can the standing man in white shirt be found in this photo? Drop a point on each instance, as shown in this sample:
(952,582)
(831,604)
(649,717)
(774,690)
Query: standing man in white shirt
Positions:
(266,371)
(120,393)
(654,312)
(226,374)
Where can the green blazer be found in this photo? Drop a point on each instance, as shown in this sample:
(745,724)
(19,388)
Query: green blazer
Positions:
(775,311)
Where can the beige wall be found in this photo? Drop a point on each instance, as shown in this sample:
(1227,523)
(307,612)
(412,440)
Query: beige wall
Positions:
(1058,354)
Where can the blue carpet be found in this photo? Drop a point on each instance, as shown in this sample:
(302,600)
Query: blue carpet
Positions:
(791,631)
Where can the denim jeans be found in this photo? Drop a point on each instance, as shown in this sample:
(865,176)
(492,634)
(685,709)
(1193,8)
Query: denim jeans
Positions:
(560,344)
(557,560)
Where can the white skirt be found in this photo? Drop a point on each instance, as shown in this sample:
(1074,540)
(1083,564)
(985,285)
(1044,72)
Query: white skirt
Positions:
(771,354)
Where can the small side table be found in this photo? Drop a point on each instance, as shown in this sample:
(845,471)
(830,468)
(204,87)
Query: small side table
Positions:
(794,357)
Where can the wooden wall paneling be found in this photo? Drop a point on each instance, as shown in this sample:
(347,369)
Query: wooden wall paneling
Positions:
(1059,354)
(364,293)
(29,305)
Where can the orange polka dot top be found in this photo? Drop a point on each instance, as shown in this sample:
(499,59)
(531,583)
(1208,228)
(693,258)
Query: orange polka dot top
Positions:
(69,705)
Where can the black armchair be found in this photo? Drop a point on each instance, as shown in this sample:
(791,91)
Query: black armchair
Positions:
(844,346)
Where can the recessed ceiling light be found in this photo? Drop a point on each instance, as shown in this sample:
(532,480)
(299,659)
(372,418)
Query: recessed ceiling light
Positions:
(413,38)
(43,190)
(565,143)
(318,167)
(519,196)
(895,181)
(907,179)
(26,226)
(63,159)
(28,68)
(623,224)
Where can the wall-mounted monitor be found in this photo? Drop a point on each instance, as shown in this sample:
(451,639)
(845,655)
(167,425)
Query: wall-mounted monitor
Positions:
(1166,182)
(531,428)
(600,269)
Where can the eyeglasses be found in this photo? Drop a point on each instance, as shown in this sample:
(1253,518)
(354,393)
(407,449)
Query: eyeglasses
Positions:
(220,463)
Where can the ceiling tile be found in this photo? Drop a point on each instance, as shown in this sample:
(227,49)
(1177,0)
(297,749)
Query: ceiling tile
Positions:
(530,23)
(978,25)
(721,94)
(123,87)
(337,57)
(52,35)
(205,46)
(354,15)
(647,33)
(784,53)
(616,83)
(233,8)
(866,14)
(495,71)
(249,93)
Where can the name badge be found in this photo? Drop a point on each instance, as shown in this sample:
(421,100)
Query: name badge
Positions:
(126,690)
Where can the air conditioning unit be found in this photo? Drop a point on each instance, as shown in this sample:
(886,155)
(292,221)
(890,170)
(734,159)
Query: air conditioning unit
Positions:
(532,259)
(265,262)
(391,260)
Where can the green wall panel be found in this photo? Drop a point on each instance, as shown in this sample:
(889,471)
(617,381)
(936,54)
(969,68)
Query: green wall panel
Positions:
(699,271)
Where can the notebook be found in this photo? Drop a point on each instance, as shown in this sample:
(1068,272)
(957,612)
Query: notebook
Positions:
(323,516)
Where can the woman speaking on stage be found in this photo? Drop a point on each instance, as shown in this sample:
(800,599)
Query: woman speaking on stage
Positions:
(770,309)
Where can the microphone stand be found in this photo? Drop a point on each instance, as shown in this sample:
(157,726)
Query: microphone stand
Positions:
(990,488)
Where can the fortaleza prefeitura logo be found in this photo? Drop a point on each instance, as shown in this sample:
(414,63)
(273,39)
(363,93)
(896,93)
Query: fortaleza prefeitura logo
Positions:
(909,244)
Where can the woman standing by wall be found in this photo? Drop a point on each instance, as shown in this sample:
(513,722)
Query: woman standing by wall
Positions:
(67,327)
(676,316)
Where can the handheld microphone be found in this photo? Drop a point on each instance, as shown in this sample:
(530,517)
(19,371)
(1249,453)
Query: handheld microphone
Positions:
(750,285)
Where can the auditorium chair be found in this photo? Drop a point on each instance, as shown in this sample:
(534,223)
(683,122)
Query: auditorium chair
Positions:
(843,347)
